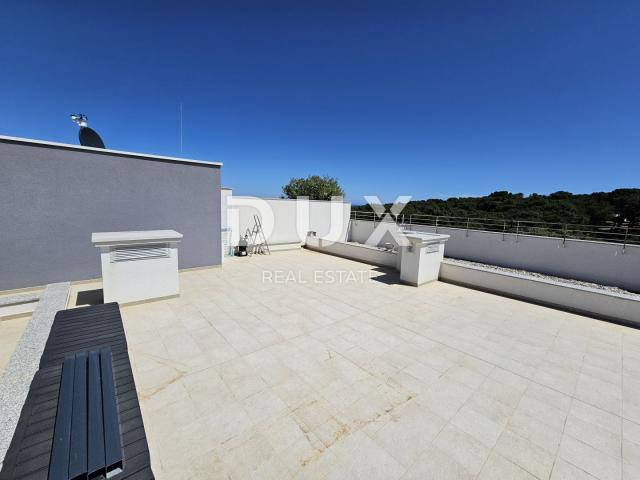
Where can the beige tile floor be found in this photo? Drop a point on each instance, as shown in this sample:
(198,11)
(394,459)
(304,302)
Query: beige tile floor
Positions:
(10,332)
(242,377)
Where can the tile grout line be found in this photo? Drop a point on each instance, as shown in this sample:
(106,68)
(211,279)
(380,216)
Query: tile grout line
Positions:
(622,408)
(564,425)
(503,368)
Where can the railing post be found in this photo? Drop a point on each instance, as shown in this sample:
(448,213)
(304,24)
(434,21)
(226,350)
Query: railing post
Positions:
(410,219)
(626,235)
(564,235)
(517,230)
(467,227)
(437,217)
(504,229)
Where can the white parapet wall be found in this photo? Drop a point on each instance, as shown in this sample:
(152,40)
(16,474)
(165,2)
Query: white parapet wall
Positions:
(363,253)
(225,224)
(598,262)
(286,222)
(418,258)
(574,298)
(360,231)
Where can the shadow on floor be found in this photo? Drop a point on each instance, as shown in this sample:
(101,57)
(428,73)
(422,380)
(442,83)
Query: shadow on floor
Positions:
(390,276)
(90,297)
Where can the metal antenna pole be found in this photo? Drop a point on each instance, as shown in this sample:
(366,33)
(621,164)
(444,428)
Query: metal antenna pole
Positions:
(180,127)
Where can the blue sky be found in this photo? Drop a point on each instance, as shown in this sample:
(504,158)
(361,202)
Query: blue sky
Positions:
(429,99)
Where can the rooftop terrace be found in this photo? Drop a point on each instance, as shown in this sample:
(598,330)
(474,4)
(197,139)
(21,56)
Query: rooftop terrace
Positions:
(265,368)
(300,364)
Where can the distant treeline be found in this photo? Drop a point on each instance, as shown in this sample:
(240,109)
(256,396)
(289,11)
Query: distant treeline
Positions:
(619,207)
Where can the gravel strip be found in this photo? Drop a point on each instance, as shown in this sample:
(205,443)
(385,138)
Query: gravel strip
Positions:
(24,362)
(566,281)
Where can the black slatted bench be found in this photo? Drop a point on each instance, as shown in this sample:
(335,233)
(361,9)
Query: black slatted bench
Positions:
(85,376)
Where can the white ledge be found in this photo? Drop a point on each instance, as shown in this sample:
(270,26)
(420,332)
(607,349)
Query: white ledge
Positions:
(424,238)
(578,299)
(106,239)
(68,146)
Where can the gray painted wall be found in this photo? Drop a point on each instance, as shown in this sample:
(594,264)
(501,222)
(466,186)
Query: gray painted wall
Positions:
(597,262)
(53,198)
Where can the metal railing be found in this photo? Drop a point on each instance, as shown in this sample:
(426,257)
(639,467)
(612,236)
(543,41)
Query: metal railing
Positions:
(625,234)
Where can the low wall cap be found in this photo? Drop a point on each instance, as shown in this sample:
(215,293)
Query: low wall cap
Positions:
(426,237)
(101,239)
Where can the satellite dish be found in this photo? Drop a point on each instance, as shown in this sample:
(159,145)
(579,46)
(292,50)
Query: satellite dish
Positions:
(88,137)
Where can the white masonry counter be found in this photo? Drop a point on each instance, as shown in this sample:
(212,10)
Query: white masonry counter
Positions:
(421,256)
(138,265)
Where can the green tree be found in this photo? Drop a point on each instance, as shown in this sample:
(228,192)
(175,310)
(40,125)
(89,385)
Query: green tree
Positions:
(314,186)
(618,208)
(627,204)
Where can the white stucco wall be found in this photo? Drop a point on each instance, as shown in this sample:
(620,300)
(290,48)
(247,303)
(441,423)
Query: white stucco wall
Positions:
(361,230)
(363,253)
(225,193)
(280,218)
(597,262)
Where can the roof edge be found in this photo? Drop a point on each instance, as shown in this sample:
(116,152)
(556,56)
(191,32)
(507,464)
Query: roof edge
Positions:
(68,146)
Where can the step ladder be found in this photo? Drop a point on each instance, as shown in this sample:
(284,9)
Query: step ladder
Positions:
(256,238)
